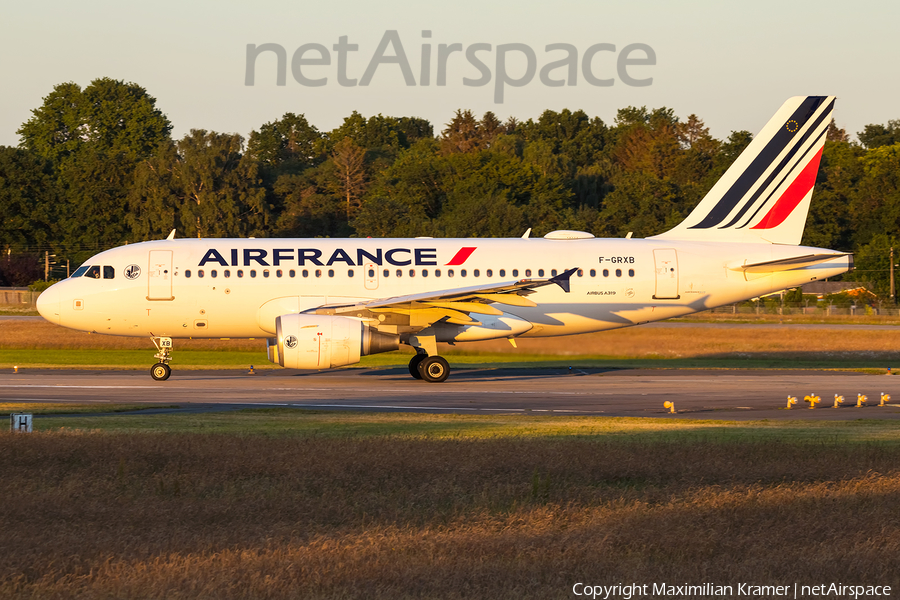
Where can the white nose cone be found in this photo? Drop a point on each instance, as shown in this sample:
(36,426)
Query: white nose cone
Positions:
(48,304)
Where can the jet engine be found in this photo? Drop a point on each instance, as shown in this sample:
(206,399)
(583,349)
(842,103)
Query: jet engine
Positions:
(324,341)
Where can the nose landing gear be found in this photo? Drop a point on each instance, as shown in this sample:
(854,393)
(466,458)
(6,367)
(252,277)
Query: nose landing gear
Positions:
(161,370)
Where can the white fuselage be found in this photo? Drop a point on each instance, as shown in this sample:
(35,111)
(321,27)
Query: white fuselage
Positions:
(235,288)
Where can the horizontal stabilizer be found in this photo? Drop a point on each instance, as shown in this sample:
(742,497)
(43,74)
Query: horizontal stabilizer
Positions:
(786,264)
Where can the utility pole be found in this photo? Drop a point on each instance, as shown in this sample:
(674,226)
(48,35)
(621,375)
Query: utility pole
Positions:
(46,265)
(892,274)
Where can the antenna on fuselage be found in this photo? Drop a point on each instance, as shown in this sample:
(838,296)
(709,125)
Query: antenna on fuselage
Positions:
(171,235)
(527,234)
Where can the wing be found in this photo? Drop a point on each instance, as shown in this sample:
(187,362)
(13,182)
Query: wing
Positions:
(453,305)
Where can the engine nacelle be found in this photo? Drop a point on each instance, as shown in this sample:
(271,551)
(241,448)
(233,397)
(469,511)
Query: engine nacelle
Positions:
(324,341)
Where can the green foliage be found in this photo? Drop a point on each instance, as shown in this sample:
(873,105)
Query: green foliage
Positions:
(875,136)
(202,186)
(109,115)
(97,168)
(40,285)
(28,200)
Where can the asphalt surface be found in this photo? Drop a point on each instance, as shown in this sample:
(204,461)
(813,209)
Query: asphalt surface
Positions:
(697,394)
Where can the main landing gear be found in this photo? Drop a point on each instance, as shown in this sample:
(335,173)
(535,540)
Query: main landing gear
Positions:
(161,370)
(433,369)
(426,364)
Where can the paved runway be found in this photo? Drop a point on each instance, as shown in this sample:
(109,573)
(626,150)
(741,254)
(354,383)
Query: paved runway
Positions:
(698,394)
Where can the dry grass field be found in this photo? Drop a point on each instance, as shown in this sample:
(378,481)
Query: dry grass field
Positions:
(102,515)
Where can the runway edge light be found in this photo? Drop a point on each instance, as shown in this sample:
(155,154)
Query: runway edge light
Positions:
(791,401)
(670,406)
(861,400)
(885,398)
(838,400)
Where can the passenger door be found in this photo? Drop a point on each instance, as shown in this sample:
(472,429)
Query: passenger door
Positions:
(159,275)
(666,262)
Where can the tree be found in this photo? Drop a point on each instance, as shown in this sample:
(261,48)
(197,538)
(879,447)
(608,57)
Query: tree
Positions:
(875,136)
(350,175)
(203,186)
(109,115)
(28,201)
(94,139)
(289,144)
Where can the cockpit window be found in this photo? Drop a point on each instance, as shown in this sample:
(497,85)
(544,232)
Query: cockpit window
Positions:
(109,272)
(93,272)
(80,271)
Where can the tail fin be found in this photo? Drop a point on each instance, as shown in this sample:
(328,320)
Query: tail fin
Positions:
(764,195)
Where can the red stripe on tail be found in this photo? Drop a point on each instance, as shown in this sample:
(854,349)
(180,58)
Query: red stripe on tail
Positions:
(792,196)
(461,257)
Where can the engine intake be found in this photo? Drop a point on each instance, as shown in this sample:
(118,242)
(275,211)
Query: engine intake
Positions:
(324,341)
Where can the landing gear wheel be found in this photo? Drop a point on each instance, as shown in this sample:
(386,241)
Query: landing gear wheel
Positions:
(434,369)
(160,371)
(414,365)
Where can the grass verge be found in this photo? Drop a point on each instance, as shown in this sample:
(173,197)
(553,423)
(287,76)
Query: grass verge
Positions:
(281,503)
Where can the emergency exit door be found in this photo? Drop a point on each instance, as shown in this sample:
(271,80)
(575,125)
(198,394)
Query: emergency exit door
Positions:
(666,262)
(159,275)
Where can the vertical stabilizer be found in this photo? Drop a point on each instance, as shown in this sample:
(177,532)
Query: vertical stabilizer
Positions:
(764,196)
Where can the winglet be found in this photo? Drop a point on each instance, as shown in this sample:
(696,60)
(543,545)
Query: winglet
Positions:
(562,280)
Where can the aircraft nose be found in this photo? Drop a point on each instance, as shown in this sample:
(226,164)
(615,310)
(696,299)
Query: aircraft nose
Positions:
(48,304)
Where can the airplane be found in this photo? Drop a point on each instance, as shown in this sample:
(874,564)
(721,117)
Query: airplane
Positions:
(324,303)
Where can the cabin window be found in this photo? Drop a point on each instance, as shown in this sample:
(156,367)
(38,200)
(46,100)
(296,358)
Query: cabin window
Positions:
(449,272)
(226,273)
(240,273)
(437,272)
(540,272)
(80,271)
(412,272)
(618,272)
(331,272)
(476,273)
(606,272)
(515,273)
(462,272)
(318,272)
(349,272)
(252,272)
(631,272)
(581,272)
(553,273)
(502,272)
(593,272)
(305,273)
(372,273)
(279,273)
(213,273)
(265,272)
(386,272)
(489,273)
(109,272)
(186,274)
(527,272)
(292,273)
(200,273)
